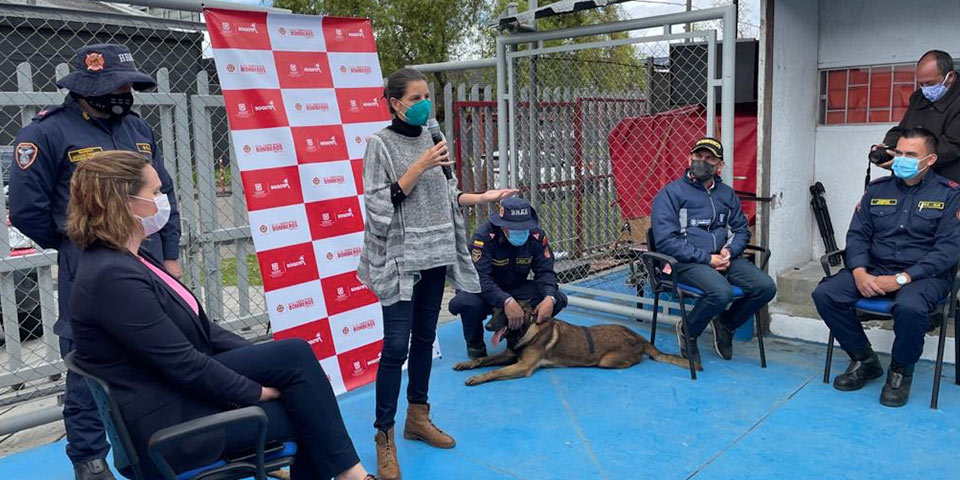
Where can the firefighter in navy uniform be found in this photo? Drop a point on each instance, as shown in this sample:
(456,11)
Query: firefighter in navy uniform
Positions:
(903,244)
(505,249)
(94,117)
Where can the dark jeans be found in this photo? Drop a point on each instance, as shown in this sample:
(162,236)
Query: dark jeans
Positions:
(86,437)
(409,327)
(473,309)
(306,412)
(912,305)
(758,289)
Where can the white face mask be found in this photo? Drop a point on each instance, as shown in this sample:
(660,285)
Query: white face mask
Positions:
(157,221)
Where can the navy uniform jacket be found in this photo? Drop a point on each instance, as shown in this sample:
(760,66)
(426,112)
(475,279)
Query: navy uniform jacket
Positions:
(899,228)
(46,152)
(690,223)
(503,267)
(135,332)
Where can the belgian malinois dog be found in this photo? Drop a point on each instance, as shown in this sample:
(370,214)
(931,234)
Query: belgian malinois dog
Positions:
(555,343)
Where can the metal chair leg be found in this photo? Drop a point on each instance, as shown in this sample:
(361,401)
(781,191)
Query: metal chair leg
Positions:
(763,353)
(686,338)
(829,363)
(653,323)
(938,369)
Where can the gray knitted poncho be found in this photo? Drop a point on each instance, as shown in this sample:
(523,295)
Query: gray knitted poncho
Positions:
(425,231)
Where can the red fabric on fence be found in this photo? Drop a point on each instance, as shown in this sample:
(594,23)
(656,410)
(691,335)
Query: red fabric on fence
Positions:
(650,151)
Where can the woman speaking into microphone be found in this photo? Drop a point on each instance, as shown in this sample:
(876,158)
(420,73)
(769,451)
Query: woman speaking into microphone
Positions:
(415,239)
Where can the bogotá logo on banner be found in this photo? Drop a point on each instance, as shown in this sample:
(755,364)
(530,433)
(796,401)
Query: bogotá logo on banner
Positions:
(313,146)
(341,36)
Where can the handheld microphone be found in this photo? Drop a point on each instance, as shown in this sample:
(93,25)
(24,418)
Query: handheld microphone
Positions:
(434,128)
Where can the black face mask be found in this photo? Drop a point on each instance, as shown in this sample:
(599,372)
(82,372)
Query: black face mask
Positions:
(116,105)
(702,170)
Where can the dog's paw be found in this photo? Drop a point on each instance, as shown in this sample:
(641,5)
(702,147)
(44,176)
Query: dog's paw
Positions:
(472,381)
(698,366)
(463,366)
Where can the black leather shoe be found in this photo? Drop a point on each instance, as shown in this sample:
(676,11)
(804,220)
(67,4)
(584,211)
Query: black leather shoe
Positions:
(722,339)
(95,469)
(862,369)
(897,390)
(476,350)
(695,350)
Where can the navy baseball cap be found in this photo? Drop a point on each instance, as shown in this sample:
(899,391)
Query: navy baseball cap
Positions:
(515,214)
(102,68)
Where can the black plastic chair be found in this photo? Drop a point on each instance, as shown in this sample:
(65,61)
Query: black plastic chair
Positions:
(661,282)
(259,461)
(881,309)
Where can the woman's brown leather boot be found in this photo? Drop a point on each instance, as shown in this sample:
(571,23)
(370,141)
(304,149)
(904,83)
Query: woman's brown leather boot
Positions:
(419,427)
(387,466)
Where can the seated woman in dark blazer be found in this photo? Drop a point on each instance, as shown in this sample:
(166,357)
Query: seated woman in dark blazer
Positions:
(143,332)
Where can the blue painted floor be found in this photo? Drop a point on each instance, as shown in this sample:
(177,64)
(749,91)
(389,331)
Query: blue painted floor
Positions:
(651,421)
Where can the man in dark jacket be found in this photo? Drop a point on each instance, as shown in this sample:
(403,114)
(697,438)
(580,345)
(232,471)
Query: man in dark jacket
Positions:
(698,220)
(505,250)
(935,106)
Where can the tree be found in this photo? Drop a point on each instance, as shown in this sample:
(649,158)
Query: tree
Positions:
(609,69)
(408,31)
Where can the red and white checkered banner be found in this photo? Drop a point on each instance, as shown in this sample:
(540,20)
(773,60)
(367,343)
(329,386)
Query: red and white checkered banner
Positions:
(303,94)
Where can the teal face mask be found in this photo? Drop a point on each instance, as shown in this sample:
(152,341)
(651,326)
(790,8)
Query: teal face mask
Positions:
(418,113)
(518,237)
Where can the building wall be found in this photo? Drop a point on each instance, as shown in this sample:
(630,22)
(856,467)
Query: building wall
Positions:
(849,37)
(793,131)
(870,32)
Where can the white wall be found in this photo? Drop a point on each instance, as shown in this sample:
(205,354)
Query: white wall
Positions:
(793,131)
(841,163)
(872,32)
(848,37)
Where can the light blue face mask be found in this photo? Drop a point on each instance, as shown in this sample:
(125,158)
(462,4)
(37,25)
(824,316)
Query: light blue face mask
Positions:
(518,237)
(906,167)
(935,92)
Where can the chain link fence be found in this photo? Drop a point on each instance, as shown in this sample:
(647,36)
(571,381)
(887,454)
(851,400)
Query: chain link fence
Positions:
(187,116)
(598,133)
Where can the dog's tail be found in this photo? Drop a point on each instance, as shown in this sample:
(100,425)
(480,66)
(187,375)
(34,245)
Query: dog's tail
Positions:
(651,351)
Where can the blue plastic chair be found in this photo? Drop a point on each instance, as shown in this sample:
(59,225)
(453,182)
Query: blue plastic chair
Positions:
(661,282)
(256,464)
(882,309)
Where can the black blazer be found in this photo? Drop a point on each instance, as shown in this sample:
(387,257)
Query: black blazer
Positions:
(137,333)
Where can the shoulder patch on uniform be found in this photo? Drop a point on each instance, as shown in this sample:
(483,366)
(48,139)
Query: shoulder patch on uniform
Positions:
(82,154)
(145,148)
(475,254)
(47,112)
(952,184)
(883,201)
(26,154)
